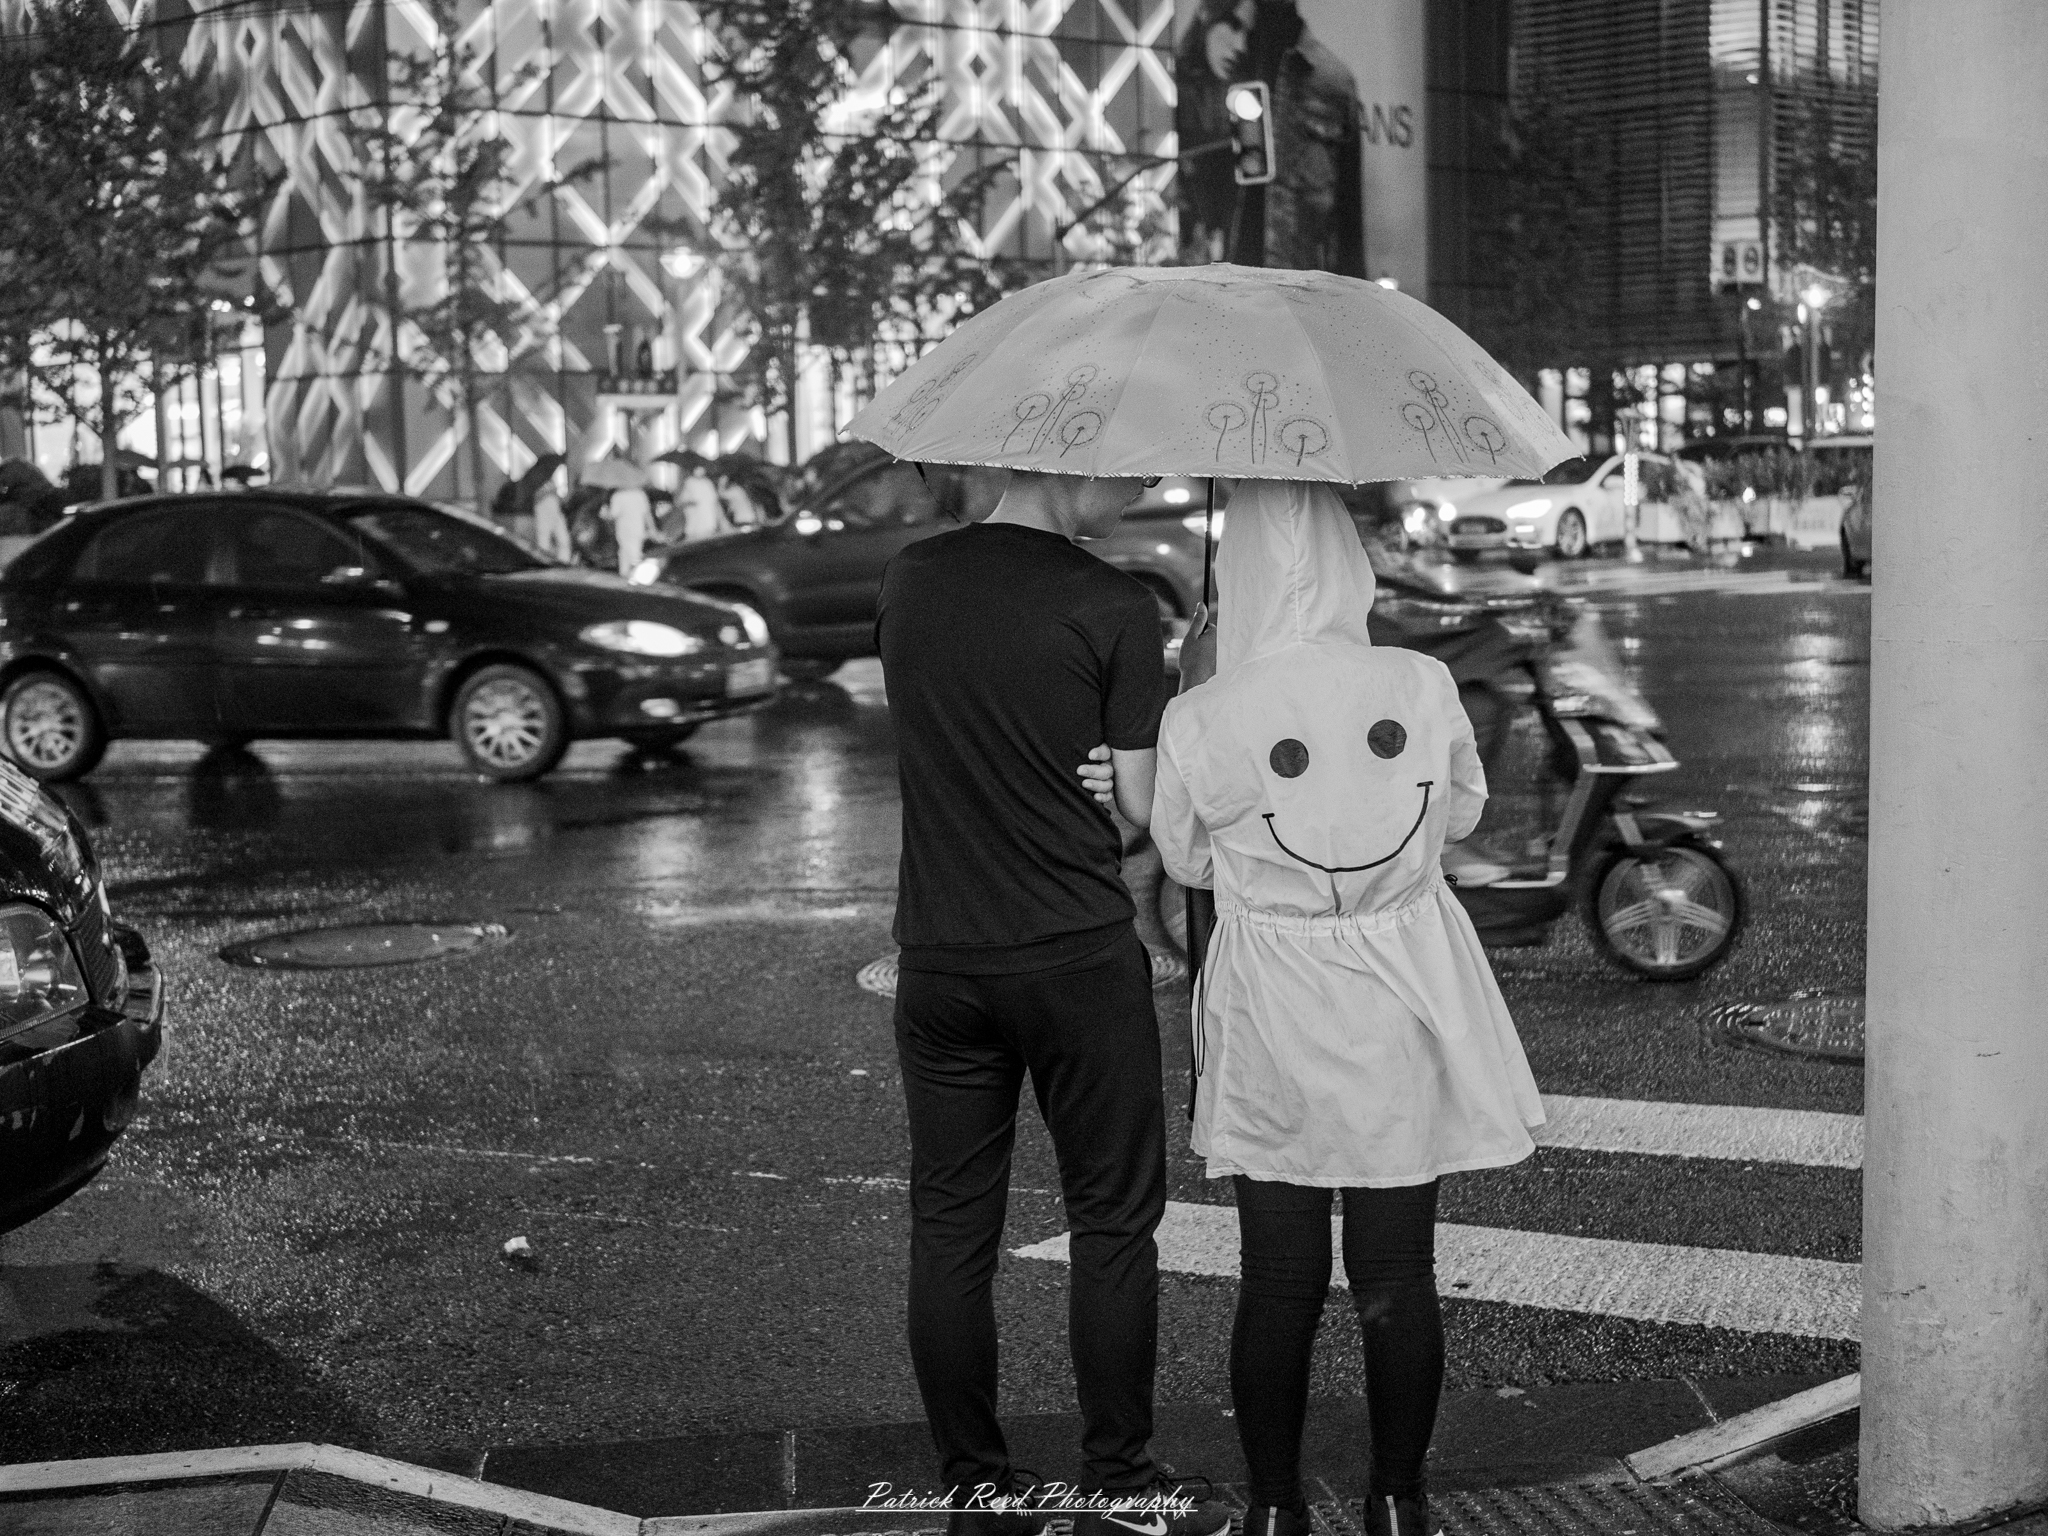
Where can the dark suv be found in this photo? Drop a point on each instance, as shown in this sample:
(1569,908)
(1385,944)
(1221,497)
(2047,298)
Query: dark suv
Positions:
(815,575)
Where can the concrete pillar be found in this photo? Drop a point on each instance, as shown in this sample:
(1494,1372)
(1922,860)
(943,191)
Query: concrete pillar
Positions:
(1955,1267)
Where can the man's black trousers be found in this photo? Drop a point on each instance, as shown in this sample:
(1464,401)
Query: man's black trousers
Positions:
(1087,1036)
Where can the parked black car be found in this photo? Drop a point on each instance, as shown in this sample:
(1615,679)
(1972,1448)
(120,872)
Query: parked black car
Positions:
(816,575)
(81,1006)
(268,613)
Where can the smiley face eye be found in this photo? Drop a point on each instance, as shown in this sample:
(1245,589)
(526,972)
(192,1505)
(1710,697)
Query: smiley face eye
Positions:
(1386,738)
(1289,758)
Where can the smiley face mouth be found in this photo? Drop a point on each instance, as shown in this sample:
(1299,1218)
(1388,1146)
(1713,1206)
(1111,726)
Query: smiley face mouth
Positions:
(1352,869)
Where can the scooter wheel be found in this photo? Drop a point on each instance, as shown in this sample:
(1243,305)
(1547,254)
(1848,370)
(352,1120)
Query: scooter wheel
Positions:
(1668,913)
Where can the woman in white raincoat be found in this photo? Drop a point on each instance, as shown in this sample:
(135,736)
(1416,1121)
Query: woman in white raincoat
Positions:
(1349,1033)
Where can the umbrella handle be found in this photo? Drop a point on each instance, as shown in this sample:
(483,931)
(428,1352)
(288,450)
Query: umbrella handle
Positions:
(1209,544)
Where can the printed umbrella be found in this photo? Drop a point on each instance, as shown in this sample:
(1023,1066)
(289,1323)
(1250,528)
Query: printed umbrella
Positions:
(1245,372)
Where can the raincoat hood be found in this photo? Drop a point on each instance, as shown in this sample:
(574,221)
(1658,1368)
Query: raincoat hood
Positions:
(1290,570)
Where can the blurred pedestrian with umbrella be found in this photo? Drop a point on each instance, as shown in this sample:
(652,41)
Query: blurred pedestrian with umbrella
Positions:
(698,514)
(746,489)
(1357,1036)
(627,509)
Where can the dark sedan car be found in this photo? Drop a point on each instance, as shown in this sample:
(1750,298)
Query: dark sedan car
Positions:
(816,575)
(81,1006)
(271,614)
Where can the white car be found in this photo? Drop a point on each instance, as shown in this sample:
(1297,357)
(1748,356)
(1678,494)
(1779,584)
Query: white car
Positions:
(1576,506)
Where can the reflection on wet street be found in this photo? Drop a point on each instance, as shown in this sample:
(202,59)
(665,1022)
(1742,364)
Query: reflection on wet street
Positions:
(668,1081)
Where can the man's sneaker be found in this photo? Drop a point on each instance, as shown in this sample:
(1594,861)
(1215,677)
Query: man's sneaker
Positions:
(1271,1520)
(1389,1516)
(995,1522)
(1021,1521)
(1161,1509)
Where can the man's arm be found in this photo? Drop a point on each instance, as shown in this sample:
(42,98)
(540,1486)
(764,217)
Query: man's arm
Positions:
(1134,773)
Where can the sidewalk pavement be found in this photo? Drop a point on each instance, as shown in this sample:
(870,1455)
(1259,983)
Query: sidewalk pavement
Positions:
(1745,1457)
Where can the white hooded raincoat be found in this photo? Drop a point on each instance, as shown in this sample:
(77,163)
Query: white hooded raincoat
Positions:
(1348,1030)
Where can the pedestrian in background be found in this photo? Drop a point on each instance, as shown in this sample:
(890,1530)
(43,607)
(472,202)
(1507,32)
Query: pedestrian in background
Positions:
(1348,1030)
(698,505)
(631,515)
(1009,656)
(550,523)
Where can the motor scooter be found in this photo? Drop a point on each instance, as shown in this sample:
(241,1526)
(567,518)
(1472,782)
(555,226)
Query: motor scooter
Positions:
(1652,885)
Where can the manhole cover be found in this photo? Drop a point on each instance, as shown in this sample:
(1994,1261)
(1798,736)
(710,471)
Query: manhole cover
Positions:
(879,976)
(1802,1025)
(363,944)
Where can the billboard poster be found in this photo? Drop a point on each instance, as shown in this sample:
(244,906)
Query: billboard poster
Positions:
(1349,192)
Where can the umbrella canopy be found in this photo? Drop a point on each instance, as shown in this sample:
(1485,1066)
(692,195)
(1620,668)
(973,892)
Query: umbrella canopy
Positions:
(537,474)
(614,474)
(20,479)
(1250,372)
(242,472)
(690,463)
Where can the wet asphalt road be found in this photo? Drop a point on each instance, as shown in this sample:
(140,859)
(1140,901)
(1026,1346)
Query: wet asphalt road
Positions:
(669,1082)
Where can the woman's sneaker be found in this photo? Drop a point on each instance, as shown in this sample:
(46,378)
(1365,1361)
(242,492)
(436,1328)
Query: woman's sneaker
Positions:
(1271,1520)
(1161,1509)
(1389,1516)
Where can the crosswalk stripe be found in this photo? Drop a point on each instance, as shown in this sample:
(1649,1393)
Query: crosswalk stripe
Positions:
(1736,1133)
(1648,1282)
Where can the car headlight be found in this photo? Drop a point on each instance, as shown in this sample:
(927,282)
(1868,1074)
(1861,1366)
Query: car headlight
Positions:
(30,807)
(642,637)
(1446,510)
(646,573)
(39,976)
(756,626)
(1529,510)
(1195,522)
(1415,519)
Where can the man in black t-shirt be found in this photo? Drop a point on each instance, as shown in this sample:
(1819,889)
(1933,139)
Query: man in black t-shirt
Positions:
(1009,655)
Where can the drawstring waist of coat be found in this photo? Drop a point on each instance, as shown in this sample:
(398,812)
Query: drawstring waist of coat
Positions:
(1327,925)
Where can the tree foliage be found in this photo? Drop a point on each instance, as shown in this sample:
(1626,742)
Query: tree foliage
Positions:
(115,217)
(435,164)
(832,226)
(1537,310)
(1824,214)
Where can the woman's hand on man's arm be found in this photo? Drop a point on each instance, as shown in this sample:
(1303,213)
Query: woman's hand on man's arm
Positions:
(1122,781)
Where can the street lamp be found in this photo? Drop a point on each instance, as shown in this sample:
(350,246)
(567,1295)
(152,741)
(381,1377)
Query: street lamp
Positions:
(1816,297)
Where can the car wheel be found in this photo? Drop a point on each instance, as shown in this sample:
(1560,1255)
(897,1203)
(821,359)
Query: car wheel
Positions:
(52,729)
(810,669)
(1571,537)
(508,723)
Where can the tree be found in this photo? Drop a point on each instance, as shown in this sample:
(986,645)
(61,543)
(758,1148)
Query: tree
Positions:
(1824,213)
(437,166)
(117,218)
(1539,309)
(832,227)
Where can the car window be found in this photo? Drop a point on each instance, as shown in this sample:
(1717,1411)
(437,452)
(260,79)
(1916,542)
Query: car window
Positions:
(1570,472)
(437,543)
(892,497)
(169,545)
(279,547)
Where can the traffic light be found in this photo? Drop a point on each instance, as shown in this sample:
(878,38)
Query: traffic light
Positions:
(1250,106)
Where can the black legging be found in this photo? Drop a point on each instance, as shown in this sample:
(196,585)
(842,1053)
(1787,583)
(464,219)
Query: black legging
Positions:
(1284,1268)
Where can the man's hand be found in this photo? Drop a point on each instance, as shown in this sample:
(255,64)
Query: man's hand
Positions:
(1098,777)
(1198,651)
